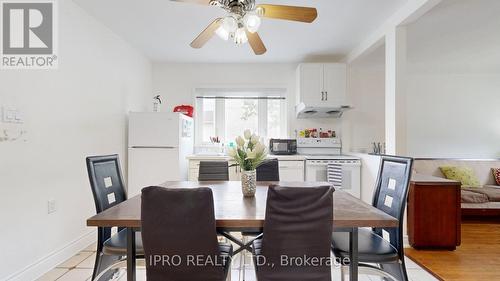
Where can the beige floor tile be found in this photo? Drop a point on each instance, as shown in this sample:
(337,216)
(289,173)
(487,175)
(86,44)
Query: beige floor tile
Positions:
(53,274)
(91,248)
(420,275)
(88,262)
(140,275)
(77,274)
(411,264)
(75,260)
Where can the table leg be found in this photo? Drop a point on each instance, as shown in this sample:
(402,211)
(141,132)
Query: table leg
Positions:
(353,254)
(247,245)
(130,254)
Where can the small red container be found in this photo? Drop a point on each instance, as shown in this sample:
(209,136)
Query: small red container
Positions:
(185,109)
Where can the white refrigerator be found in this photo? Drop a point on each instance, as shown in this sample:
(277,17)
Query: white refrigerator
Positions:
(158,144)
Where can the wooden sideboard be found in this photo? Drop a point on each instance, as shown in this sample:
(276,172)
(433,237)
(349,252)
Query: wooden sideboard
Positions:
(434,214)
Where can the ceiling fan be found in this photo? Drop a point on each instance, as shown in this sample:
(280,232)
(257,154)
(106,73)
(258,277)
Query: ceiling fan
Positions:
(243,21)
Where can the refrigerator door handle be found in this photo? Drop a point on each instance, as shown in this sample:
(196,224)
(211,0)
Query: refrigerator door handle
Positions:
(164,147)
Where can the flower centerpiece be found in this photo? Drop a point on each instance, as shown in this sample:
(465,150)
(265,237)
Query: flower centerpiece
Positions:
(249,154)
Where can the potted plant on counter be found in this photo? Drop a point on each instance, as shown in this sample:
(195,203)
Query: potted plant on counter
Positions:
(249,154)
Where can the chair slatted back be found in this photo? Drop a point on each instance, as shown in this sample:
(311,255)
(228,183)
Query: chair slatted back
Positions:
(268,171)
(213,171)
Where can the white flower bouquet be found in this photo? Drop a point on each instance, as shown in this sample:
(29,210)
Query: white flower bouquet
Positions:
(249,153)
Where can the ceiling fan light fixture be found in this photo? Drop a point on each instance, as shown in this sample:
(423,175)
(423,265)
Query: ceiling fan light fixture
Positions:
(230,24)
(240,36)
(222,33)
(252,22)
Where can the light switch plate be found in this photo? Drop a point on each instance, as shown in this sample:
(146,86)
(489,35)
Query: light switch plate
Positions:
(51,206)
(11,115)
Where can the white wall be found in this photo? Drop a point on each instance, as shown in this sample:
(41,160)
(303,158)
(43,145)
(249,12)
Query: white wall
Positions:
(70,113)
(453,85)
(365,123)
(176,83)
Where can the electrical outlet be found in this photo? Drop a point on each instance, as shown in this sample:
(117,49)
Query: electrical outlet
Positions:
(51,206)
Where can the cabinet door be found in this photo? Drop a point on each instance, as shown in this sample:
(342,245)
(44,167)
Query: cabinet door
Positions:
(311,83)
(234,172)
(335,80)
(291,171)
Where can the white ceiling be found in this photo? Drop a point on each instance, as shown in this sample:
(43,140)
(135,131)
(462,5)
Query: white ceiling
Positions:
(163,29)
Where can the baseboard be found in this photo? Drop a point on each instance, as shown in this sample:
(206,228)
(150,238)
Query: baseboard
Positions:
(47,263)
(406,242)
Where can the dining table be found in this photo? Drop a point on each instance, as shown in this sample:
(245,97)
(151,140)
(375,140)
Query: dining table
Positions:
(236,213)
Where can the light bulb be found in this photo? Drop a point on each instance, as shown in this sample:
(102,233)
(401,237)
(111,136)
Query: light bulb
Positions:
(230,24)
(222,33)
(240,36)
(252,22)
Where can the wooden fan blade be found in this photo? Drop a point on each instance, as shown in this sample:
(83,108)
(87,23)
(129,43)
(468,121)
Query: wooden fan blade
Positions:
(302,14)
(206,34)
(200,2)
(256,43)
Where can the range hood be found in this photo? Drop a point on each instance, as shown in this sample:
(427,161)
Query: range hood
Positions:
(303,111)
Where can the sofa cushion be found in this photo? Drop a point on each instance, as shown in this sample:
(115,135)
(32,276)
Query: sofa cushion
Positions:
(473,197)
(464,175)
(493,193)
(496,174)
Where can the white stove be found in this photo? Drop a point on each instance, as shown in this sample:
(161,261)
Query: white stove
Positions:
(325,162)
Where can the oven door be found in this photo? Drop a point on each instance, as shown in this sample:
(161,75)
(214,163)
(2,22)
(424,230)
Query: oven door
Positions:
(316,170)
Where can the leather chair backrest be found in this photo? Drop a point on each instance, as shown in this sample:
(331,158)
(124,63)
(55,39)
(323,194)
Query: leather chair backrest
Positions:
(107,185)
(391,194)
(298,224)
(106,181)
(179,224)
(213,171)
(268,171)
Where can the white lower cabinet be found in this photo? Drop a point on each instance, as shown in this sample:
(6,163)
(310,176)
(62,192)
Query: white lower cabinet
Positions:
(290,170)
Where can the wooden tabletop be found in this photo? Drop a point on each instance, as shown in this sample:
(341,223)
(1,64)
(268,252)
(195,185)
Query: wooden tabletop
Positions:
(232,210)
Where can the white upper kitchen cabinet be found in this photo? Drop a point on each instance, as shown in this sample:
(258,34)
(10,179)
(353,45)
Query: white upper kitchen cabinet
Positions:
(310,84)
(334,83)
(321,84)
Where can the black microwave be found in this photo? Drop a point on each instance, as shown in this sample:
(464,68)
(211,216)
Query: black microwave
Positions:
(283,146)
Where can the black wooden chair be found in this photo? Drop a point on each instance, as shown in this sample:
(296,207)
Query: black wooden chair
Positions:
(382,246)
(298,224)
(268,170)
(178,225)
(106,181)
(213,171)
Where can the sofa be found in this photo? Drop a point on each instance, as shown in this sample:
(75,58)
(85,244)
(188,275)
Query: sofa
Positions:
(483,201)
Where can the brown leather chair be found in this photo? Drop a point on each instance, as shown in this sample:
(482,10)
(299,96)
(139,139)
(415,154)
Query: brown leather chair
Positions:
(298,224)
(178,229)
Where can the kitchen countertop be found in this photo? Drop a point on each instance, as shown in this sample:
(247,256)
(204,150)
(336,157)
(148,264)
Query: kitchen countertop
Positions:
(295,157)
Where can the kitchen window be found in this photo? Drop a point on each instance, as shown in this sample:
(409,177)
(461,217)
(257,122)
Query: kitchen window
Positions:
(226,113)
